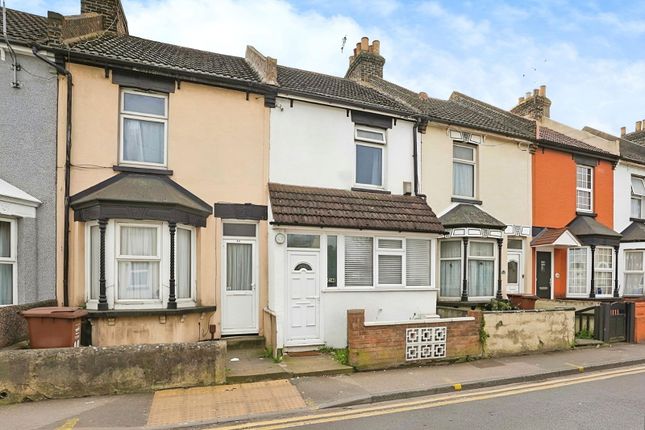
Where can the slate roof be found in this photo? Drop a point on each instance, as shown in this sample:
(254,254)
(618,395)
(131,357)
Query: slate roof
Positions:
(584,225)
(24,27)
(164,55)
(636,137)
(141,188)
(460,110)
(325,207)
(629,150)
(635,232)
(467,215)
(549,136)
(304,82)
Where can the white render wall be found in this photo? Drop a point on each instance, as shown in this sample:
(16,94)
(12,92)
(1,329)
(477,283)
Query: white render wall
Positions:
(622,193)
(313,145)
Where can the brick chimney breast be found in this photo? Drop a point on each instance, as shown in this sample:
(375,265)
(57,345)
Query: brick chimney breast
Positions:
(114,19)
(366,61)
(535,105)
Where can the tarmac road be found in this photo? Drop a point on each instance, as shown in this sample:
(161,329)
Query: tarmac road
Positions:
(598,400)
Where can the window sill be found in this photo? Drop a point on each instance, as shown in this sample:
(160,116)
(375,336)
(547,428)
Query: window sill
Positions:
(466,200)
(115,313)
(371,190)
(375,289)
(149,170)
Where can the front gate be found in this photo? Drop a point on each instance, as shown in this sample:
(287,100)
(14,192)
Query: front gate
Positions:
(615,322)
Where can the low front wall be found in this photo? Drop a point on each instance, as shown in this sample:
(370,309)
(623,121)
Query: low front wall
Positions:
(376,345)
(13,327)
(131,330)
(519,332)
(36,374)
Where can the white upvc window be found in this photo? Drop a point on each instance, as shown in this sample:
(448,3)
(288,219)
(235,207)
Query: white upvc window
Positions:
(137,264)
(8,262)
(638,197)
(389,261)
(450,256)
(382,262)
(370,156)
(604,271)
(577,279)
(143,128)
(634,273)
(464,170)
(584,188)
(481,269)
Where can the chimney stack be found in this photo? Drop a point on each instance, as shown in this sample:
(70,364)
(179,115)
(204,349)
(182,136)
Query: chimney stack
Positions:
(639,125)
(623,131)
(266,67)
(535,105)
(114,19)
(366,62)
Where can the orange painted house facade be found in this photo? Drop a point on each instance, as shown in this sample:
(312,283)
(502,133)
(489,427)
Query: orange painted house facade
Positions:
(573,219)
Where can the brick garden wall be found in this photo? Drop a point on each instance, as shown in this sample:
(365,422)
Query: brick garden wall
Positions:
(379,346)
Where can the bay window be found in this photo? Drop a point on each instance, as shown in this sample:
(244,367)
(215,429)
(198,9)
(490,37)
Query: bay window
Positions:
(481,269)
(144,119)
(577,272)
(8,260)
(137,263)
(463,170)
(634,273)
(604,270)
(584,188)
(638,195)
(370,146)
(450,268)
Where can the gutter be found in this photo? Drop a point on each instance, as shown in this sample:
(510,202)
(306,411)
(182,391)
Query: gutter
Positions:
(68,150)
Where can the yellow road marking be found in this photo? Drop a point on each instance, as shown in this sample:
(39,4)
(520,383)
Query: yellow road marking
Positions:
(581,369)
(457,387)
(371,411)
(69,424)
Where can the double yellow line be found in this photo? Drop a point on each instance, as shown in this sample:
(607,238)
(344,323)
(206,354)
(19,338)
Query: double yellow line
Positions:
(376,410)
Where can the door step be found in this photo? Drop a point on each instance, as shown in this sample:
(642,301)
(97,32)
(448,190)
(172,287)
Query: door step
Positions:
(244,342)
(303,348)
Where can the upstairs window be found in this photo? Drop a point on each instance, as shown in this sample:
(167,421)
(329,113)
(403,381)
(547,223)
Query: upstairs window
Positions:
(638,195)
(370,146)
(584,188)
(463,170)
(144,120)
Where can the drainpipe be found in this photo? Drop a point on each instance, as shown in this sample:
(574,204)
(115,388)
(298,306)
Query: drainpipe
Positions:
(68,150)
(415,158)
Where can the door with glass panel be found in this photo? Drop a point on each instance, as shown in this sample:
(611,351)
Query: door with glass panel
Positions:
(239,289)
(513,275)
(303,326)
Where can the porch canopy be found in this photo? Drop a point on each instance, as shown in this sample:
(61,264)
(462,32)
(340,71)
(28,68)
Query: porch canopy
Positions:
(590,232)
(635,232)
(555,237)
(142,197)
(15,202)
(361,210)
(469,215)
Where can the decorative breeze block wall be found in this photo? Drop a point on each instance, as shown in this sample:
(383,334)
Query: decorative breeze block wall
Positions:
(425,343)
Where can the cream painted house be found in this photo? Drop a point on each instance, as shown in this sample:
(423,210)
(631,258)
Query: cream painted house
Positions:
(167,174)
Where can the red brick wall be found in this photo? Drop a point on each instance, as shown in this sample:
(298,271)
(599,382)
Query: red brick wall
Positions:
(382,346)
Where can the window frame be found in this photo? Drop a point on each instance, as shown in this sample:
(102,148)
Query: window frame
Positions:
(634,272)
(12,259)
(634,196)
(472,162)
(492,258)
(609,270)
(587,273)
(378,251)
(370,143)
(589,190)
(459,259)
(192,299)
(123,114)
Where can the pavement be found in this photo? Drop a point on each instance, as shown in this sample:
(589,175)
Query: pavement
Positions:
(234,402)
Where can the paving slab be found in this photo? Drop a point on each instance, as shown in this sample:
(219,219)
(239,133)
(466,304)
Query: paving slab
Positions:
(313,365)
(250,365)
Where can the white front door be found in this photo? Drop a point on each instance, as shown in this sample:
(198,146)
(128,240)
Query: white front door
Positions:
(514,272)
(303,300)
(239,287)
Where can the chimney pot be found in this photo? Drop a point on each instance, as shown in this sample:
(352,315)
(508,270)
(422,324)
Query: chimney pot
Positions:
(623,131)
(639,125)
(364,45)
(527,95)
(423,95)
(536,92)
(376,47)
(543,90)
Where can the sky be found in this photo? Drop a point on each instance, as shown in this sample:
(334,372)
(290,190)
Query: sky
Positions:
(589,54)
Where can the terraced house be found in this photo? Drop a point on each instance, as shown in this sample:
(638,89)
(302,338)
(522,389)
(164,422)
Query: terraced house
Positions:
(162,182)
